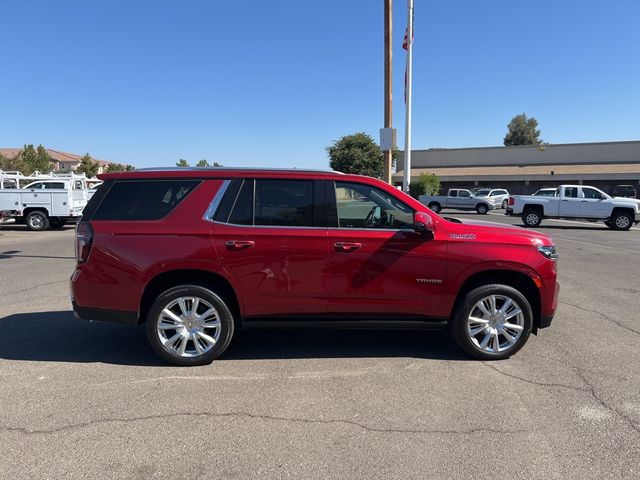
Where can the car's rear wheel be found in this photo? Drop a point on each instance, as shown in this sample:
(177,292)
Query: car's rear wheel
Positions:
(435,207)
(492,322)
(189,325)
(482,209)
(531,217)
(505,204)
(621,221)
(37,221)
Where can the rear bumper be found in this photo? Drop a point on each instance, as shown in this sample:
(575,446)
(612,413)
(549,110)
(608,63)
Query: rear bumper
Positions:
(545,321)
(104,315)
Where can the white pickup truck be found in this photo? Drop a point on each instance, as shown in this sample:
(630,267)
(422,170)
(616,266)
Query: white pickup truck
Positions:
(576,202)
(459,199)
(45,203)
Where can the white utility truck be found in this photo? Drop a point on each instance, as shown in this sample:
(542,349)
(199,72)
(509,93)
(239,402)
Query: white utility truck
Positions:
(42,201)
(576,202)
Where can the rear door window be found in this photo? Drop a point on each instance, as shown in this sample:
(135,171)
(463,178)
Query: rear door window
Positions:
(284,203)
(571,192)
(143,199)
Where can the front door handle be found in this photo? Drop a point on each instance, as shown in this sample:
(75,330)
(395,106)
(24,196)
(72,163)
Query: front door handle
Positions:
(239,244)
(347,246)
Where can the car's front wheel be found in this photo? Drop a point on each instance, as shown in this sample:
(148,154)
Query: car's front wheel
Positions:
(189,325)
(621,221)
(492,322)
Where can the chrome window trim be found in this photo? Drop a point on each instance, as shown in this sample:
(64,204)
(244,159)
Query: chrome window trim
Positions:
(315,228)
(215,202)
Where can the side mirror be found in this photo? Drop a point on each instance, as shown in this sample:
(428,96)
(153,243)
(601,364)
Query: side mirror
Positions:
(423,224)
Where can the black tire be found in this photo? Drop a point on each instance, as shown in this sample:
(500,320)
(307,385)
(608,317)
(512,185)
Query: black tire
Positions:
(459,328)
(37,221)
(621,221)
(531,217)
(482,208)
(608,224)
(435,207)
(57,223)
(505,204)
(224,314)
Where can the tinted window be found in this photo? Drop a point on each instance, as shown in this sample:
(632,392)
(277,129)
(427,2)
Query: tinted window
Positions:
(453,193)
(591,193)
(482,193)
(143,199)
(242,213)
(571,192)
(464,193)
(37,186)
(284,203)
(364,206)
(54,185)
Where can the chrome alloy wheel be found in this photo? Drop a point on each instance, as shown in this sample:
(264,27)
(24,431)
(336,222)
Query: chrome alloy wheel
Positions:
(622,222)
(188,327)
(36,221)
(532,218)
(495,324)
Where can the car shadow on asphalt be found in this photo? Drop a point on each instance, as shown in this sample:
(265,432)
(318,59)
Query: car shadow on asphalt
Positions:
(12,227)
(58,337)
(17,254)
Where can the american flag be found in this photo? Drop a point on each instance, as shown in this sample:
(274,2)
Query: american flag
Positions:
(405,41)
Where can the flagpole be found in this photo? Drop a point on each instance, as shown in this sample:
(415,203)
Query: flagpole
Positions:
(406,179)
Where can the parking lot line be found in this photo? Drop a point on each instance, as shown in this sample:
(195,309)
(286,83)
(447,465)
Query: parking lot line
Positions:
(596,244)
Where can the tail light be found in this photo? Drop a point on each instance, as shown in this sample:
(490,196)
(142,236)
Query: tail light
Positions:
(84,239)
(512,200)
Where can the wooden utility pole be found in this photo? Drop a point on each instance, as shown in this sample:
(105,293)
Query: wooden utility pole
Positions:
(388,117)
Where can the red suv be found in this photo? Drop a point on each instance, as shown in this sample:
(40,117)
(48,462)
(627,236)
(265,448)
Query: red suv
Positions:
(197,253)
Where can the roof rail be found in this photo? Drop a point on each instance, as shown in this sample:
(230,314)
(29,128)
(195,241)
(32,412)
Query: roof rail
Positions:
(216,169)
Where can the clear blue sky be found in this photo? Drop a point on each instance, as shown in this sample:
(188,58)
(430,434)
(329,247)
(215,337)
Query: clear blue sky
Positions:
(271,83)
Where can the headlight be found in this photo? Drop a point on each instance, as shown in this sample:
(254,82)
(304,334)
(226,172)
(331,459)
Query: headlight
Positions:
(550,252)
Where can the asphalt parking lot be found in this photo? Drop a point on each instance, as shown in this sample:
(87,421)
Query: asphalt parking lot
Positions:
(91,400)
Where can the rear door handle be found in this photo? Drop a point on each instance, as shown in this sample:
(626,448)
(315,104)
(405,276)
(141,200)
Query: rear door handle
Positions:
(347,246)
(239,244)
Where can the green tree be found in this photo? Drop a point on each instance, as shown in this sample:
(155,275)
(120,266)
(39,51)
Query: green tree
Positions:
(88,166)
(357,153)
(28,155)
(129,168)
(42,160)
(522,131)
(116,167)
(182,163)
(15,163)
(202,163)
(427,184)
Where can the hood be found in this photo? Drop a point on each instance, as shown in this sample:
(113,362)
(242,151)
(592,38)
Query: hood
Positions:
(496,232)
(635,201)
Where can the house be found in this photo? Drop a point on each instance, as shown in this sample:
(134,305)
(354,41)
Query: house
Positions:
(61,161)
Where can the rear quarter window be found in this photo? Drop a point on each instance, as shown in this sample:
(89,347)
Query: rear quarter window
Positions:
(142,199)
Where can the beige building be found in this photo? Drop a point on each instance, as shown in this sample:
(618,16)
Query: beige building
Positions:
(61,161)
(524,169)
